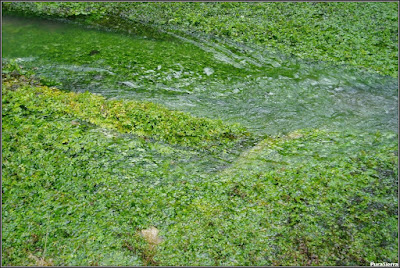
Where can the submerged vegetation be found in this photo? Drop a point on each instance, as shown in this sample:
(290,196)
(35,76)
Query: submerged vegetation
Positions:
(140,118)
(360,34)
(89,180)
(87,190)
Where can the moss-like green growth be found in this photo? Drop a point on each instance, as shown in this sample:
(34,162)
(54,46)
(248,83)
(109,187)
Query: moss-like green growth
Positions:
(359,34)
(141,118)
(74,193)
(77,188)
(309,198)
(85,179)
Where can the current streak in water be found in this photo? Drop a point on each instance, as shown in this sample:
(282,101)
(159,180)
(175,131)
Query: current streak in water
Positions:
(265,92)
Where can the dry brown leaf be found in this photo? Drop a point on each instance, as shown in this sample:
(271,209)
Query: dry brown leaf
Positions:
(41,261)
(151,236)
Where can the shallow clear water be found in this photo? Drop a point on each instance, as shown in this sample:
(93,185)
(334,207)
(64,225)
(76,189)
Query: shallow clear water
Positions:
(266,92)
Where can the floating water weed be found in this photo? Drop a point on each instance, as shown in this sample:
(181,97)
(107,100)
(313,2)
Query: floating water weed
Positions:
(104,168)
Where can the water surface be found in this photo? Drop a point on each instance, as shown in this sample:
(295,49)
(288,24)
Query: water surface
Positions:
(266,92)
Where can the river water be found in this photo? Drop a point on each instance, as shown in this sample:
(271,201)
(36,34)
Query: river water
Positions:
(264,91)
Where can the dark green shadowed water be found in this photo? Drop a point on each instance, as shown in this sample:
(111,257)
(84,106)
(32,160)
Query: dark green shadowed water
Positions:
(267,93)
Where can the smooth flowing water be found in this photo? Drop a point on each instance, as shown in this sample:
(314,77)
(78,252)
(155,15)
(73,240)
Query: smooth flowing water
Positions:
(266,92)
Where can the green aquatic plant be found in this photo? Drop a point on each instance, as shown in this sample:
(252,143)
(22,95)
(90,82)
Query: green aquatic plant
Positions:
(359,34)
(75,193)
(265,93)
(78,167)
(141,118)
(88,180)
